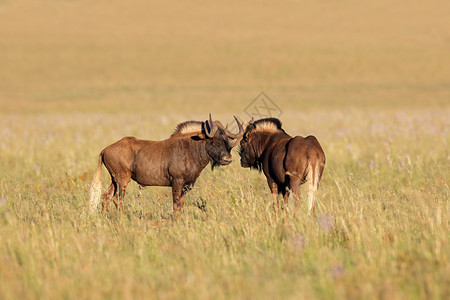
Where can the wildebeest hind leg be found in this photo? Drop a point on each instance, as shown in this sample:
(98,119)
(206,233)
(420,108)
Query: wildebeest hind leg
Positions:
(295,189)
(122,183)
(274,189)
(286,194)
(110,192)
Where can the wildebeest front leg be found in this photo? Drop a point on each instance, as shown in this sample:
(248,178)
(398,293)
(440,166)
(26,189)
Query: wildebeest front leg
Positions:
(186,188)
(178,195)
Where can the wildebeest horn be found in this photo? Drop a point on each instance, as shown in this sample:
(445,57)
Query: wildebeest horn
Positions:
(238,136)
(229,133)
(213,126)
(235,135)
(210,129)
(245,124)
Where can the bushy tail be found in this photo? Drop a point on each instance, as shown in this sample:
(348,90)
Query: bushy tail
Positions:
(96,187)
(313,178)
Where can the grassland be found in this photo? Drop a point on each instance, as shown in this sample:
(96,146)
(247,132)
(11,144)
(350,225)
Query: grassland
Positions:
(370,79)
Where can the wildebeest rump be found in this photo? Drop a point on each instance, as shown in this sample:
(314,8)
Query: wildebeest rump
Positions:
(176,161)
(286,161)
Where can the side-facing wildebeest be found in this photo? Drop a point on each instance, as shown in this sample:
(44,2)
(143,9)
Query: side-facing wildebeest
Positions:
(286,161)
(176,162)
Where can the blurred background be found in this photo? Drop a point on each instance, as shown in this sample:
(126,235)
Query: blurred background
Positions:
(144,56)
(369,78)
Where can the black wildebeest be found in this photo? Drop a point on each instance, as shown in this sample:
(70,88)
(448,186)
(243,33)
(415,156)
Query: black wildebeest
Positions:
(176,161)
(286,161)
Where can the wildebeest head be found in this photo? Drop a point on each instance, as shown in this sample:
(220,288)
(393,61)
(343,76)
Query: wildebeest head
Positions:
(246,151)
(219,141)
(248,147)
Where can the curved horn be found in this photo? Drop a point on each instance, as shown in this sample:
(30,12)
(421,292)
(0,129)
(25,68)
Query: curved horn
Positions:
(210,129)
(229,133)
(241,130)
(246,124)
(238,136)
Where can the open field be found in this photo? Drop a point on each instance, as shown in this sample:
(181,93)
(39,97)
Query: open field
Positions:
(370,79)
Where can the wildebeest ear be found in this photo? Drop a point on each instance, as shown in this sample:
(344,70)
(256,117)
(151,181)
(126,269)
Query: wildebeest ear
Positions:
(198,137)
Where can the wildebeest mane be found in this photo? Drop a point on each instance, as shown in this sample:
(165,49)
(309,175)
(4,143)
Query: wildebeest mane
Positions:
(268,124)
(188,127)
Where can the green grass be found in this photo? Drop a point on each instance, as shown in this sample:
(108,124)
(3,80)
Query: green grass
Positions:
(369,79)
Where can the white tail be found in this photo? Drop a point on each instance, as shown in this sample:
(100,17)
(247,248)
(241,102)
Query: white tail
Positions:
(313,184)
(96,187)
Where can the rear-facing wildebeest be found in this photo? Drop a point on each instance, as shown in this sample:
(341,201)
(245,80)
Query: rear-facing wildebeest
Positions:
(286,161)
(176,161)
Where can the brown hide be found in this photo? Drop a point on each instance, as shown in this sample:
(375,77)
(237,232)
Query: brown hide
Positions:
(176,161)
(287,162)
